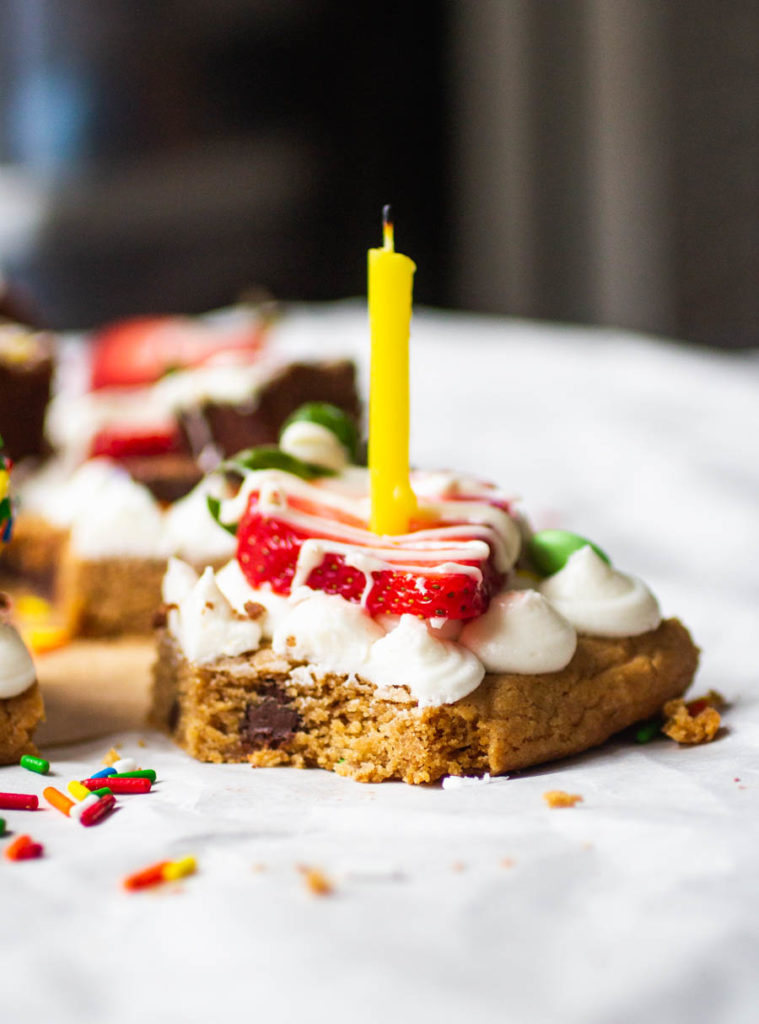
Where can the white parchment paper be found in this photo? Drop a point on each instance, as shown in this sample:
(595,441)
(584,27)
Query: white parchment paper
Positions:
(474,903)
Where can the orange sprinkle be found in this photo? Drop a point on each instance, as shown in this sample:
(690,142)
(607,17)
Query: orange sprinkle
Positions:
(146,877)
(58,800)
(317,881)
(558,798)
(23,848)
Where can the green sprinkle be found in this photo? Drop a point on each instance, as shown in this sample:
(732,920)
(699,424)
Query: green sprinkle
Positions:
(2,826)
(648,731)
(140,773)
(103,791)
(331,417)
(550,550)
(35,764)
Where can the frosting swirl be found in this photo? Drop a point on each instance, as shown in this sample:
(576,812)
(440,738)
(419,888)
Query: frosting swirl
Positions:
(18,672)
(520,632)
(435,671)
(599,600)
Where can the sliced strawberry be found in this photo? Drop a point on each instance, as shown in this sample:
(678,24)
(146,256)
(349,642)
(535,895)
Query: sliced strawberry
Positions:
(268,549)
(144,349)
(130,442)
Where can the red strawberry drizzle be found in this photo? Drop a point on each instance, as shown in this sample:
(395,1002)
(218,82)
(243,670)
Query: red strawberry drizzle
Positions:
(268,549)
(129,442)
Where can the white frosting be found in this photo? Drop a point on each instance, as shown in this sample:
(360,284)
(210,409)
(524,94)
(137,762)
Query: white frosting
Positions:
(435,671)
(233,585)
(520,632)
(60,496)
(16,666)
(311,442)
(123,519)
(178,581)
(110,515)
(599,600)
(328,632)
(191,531)
(207,626)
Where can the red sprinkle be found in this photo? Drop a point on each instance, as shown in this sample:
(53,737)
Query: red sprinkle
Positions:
(119,785)
(23,848)
(97,811)
(19,801)
(146,877)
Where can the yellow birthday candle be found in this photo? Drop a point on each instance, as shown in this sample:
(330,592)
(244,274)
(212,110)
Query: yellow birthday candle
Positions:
(391,276)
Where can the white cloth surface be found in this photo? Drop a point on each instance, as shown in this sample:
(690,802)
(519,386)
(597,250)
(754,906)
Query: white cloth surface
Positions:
(640,904)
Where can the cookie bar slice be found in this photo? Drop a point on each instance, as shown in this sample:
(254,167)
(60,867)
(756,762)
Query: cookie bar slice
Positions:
(268,709)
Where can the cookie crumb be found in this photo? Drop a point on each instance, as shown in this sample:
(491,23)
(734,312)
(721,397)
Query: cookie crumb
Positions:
(558,798)
(695,721)
(258,868)
(316,881)
(254,610)
(507,862)
(458,866)
(111,758)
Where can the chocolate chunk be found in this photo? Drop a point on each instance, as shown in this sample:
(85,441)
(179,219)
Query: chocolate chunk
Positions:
(270,722)
(167,477)
(172,720)
(161,617)
(25,381)
(230,428)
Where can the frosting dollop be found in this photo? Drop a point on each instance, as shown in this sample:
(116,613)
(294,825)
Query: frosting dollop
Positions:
(327,631)
(121,519)
(599,600)
(189,529)
(16,666)
(435,671)
(520,632)
(311,442)
(206,625)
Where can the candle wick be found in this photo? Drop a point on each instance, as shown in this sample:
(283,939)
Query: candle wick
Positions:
(387,228)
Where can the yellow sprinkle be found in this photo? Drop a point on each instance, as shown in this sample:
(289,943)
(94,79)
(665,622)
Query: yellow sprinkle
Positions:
(29,606)
(77,790)
(179,868)
(4,480)
(46,638)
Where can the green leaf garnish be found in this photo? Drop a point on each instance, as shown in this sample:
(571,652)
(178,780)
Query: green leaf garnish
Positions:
(331,417)
(269,457)
(214,507)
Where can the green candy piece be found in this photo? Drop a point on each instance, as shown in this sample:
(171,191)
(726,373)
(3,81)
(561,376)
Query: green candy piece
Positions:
(549,550)
(329,416)
(103,791)
(138,773)
(648,730)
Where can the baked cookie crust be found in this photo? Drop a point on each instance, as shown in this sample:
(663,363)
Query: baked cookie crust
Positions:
(19,717)
(269,710)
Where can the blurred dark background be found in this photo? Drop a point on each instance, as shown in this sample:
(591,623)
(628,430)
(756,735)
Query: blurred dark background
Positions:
(582,160)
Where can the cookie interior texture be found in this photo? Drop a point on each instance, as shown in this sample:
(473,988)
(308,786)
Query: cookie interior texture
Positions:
(19,716)
(268,710)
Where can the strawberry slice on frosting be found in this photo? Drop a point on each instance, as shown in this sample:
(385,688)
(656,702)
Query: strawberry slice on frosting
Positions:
(314,533)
